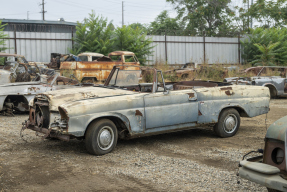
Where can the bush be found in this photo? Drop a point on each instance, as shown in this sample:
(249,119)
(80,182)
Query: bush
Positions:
(258,42)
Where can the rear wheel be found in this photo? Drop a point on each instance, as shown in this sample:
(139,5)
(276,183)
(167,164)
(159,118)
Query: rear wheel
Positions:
(228,123)
(101,137)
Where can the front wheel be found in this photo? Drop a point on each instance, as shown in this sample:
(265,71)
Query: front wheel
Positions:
(228,123)
(101,137)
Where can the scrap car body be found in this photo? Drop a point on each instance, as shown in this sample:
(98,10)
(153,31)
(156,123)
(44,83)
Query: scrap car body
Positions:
(15,68)
(125,108)
(57,58)
(269,170)
(97,70)
(277,85)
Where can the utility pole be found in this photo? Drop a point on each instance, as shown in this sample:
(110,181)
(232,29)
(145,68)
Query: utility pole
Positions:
(43,9)
(251,16)
(27,15)
(248,16)
(123,14)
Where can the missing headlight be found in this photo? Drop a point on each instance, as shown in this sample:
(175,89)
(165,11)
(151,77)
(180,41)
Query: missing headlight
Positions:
(277,155)
(63,113)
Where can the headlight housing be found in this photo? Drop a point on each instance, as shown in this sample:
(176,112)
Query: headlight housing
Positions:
(277,155)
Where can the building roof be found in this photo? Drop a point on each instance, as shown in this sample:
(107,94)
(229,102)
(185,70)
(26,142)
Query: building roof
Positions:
(24,21)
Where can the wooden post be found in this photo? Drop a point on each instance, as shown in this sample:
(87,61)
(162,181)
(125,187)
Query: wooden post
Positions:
(204,57)
(72,37)
(239,48)
(15,43)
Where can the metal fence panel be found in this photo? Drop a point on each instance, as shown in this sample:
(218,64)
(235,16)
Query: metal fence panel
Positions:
(158,54)
(185,49)
(194,51)
(37,46)
(221,50)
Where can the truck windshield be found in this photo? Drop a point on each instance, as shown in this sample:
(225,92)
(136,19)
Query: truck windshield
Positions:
(130,58)
(125,77)
(83,58)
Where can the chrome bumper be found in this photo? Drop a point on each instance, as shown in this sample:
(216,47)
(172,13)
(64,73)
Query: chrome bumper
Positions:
(256,172)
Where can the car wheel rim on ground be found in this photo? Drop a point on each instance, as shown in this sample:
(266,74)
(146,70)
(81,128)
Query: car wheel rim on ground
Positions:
(230,123)
(105,138)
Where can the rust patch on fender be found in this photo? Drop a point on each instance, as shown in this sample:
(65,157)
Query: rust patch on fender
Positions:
(199,113)
(33,88)
(190,95)
(229,93)
(138,113)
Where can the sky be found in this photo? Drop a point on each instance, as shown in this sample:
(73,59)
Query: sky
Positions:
(142,11)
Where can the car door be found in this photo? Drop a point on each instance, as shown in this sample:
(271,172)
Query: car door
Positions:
(167,109)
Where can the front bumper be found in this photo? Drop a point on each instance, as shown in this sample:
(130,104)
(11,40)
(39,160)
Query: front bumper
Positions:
(262,174)
(47,132)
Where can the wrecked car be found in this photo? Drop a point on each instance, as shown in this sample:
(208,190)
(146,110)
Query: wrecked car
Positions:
(57,58)
(15,97)
(15,68)
(270,168)
(183,71)
(97,70)
(126,108)
(277,85)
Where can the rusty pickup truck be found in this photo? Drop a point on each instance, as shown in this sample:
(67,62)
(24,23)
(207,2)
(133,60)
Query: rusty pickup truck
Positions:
(97,70)
(126,108)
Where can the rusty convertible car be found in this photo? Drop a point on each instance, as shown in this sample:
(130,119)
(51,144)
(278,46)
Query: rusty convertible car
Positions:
(126,108)
(269,169)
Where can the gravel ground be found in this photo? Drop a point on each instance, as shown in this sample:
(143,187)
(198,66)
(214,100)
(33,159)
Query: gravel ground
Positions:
(194,160)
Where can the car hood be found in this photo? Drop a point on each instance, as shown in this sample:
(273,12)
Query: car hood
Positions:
(277,130)
(59,97)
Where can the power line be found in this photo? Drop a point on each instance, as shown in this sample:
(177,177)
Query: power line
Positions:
(81,6)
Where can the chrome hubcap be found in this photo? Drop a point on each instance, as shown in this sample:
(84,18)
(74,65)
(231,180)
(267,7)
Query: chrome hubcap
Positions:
(230,123)
(105,138)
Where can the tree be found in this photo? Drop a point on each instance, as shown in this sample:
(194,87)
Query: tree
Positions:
(205,17)
(267,56)
(266,13)
(258,43)
(142,27)
(2,36)
(163,23)
(134,40)
(93,35)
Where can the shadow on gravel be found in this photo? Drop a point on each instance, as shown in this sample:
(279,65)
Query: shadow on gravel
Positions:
(174,137)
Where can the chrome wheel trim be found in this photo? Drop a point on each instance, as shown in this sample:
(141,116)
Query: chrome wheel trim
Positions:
(105,138)
(230,123)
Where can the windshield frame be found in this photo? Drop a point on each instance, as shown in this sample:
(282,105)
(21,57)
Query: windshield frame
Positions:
(117,68)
